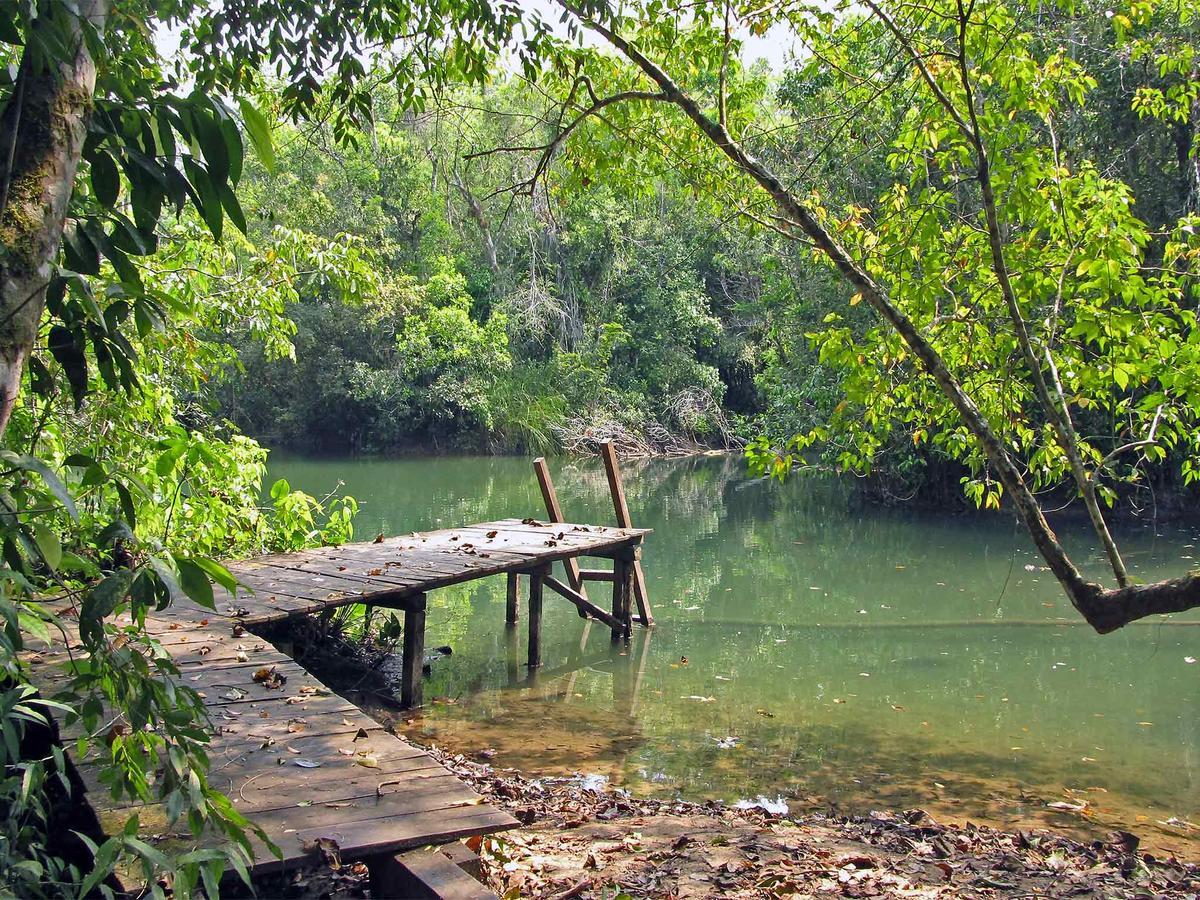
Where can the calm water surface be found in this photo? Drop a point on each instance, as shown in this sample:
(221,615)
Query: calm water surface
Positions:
(811,650)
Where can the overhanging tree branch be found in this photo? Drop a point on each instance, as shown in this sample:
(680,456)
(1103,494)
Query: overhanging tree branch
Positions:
(1105,610)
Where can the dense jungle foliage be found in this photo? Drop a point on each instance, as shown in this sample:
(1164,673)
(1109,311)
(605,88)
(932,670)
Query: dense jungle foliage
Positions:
(610,299)
(483,233)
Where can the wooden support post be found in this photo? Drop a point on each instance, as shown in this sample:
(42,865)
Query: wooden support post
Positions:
(615,487)
(413,658)
(554,511)
(512,609)
(512,655)
(622,586)
(537,580)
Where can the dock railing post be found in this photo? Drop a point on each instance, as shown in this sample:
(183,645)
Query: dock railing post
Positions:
(554,511)
(617,488)
(412,659)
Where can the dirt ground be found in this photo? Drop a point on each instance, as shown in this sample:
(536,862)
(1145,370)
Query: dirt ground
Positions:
(583,842)
(580,841)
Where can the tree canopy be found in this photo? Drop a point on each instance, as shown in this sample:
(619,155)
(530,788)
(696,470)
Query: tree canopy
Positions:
(957,238)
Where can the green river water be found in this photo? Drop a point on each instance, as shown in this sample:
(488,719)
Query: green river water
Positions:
(812,651)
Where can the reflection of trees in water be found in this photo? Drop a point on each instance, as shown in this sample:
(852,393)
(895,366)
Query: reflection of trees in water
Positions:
(748,553)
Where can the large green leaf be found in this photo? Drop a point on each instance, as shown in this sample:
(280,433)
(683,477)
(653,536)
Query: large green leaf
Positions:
(194,581)
(106,182)
(260,134)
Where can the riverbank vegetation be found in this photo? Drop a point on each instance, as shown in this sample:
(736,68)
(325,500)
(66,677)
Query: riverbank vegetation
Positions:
(954,242)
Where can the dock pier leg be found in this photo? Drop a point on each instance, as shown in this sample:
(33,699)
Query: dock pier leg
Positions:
(413,658)
(512,609)
(623,565)
(537,579)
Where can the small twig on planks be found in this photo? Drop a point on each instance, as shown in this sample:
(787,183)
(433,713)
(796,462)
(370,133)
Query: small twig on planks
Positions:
(389,783)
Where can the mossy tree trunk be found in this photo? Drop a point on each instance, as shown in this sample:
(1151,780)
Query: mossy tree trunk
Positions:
(44,124)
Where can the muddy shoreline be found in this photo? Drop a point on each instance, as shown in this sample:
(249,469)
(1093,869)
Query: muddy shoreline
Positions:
(579,840)
(581,837)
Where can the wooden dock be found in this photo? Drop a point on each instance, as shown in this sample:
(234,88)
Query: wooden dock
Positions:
(307,765)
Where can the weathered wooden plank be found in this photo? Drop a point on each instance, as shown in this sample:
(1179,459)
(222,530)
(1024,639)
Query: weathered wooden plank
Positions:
(269,785)
(327,574)
(359,840)
(596,574)
(425,874)
(284,587)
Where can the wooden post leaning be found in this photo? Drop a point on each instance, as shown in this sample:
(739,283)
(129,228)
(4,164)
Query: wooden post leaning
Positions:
(613,470)
(554,511)
(413,658)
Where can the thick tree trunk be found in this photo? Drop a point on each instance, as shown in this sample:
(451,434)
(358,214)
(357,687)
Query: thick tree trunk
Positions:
(46,122)
(1105,610)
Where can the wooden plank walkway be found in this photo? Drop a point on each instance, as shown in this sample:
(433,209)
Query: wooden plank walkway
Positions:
(305,764)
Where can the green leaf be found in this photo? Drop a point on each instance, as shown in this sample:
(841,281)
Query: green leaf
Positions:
(101,601)
(48,545)
(150,854)
(217,573)
(212,144)
(79,253)
(167,576)
(53,482)
(194,581)
(205,196)
(69,354)
(106,182)
(280,489)
(230,201)
(260,134)
(233,147)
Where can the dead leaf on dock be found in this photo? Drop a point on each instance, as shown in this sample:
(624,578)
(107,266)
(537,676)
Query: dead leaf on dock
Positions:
(270,678)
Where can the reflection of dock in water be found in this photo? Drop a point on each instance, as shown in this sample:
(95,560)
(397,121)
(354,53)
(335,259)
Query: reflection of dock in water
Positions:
(625,662)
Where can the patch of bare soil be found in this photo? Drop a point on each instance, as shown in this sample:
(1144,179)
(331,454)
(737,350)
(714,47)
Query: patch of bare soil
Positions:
(583,842)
